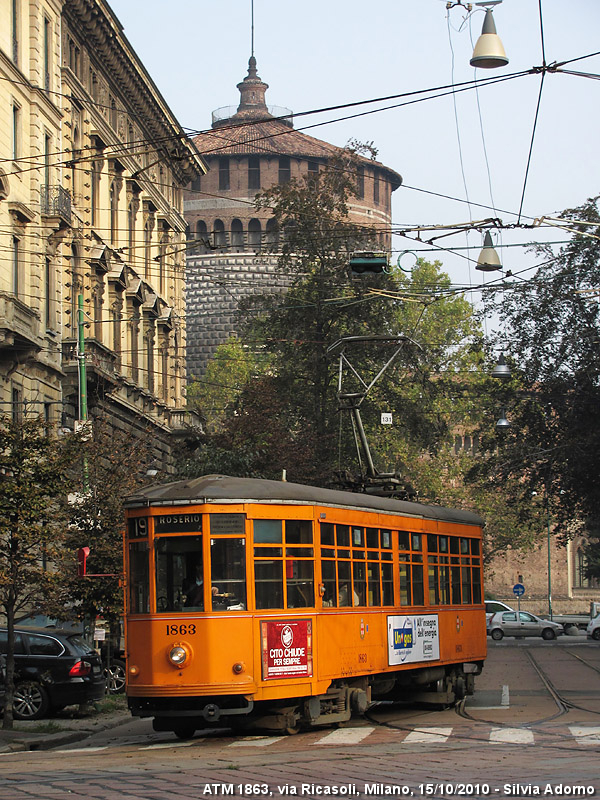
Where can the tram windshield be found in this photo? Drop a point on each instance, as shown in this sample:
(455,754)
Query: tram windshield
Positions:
(179,573)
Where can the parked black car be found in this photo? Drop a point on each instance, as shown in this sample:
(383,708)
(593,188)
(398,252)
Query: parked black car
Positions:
(53,669)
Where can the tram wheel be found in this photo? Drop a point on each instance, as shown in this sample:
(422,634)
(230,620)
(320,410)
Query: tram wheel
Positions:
(184,731)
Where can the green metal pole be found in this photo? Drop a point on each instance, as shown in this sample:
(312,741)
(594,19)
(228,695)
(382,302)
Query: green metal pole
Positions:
(83,410)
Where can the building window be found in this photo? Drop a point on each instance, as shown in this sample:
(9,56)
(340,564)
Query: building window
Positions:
(376,188)
(48,294)
(581,579)
(75,287)
(237,233)
(17,404)
(360,183)
(74,57)
(147,248)
(223,174)
(131,215)
(253,172)
(201,245)
(196,185)
(47,151)
(16,266)
(47,44)
(93,85)
(15,31)
(16,131)
(285,169)
(162,263)
(219,233)
(271,232)
(114,212)
(95,190)
(113,114)
(254,232)
(150,362)
(313,168)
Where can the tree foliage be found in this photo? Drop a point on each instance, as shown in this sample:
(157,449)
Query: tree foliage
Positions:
(35,476)
(550,326)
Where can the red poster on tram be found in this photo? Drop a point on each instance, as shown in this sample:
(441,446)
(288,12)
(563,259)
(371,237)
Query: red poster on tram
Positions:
(286,648)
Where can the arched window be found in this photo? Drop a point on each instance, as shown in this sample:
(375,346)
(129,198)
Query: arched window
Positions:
(219,233)
(581,580)
(201,236)
(237,233)
(272,232)
(254,232)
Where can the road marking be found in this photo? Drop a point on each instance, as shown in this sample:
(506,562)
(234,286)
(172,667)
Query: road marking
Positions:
(505,696)
(511,736)
(586,735)
(346,736)
(82,750)
(257,741)
(164,745)
(428,736)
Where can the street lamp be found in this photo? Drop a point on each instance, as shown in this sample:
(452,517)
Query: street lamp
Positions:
(489,51)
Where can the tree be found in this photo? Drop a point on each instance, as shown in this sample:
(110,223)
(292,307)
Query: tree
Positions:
(34,478)
(550,329)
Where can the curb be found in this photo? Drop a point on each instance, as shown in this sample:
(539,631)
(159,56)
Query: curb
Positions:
(20,741)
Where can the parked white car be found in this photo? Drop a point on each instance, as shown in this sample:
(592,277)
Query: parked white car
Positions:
(593,628)
(492,607)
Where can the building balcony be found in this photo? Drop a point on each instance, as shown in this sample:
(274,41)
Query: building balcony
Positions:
(56,202)
(19,325)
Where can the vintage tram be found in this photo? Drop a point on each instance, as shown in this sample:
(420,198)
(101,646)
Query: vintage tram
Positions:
(272,603)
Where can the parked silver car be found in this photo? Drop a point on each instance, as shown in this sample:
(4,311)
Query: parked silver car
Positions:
(492,607)
(522,623)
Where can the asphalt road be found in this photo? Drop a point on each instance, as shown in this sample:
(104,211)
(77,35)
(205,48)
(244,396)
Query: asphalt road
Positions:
(531,729)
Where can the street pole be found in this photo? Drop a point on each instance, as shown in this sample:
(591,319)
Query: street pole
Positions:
(549,560)
(83,410)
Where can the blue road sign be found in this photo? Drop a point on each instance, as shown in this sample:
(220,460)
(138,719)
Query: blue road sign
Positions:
(518,589)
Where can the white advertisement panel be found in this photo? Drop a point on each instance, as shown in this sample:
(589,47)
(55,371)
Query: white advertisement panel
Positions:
(412,638)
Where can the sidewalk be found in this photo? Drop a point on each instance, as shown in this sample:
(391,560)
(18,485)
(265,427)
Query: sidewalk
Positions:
(64,728)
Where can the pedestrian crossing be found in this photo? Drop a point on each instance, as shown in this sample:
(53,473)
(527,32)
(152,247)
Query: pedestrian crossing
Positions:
(424,736)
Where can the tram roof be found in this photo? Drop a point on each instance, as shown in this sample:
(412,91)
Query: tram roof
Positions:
(225,489)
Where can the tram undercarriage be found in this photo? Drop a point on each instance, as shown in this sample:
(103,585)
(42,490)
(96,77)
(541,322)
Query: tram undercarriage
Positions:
(440,686)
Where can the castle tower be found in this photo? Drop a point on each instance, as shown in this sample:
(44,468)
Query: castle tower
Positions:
(251,148)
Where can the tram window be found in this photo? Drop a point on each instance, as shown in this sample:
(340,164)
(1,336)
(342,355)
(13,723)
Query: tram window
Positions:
(298,531)
(299,552)
(228,574)
(405,585)
(455,575)
(299,583)
(386,540)
(476,585)
(327,534)
(179,573)
(342,535)
(267,531)
(416,541)
(466,584)
(403,540)
(475,547)
(372,538)
(327,553)
(418,586)
(358,537)
(374,587)
(328,575)
(445,584)
(443,544)
(453,544)
(268,578)
(268,552)
(360,584)
(464,547)
(387,585)
(432,543)
(434,592)
(344,583)
(139,578)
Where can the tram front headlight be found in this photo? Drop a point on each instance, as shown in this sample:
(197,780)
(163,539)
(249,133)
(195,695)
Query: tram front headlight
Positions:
(178,655)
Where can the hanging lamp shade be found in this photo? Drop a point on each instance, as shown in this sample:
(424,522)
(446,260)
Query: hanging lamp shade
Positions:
(488,260)
(501,370)
(502,423)
(489,51)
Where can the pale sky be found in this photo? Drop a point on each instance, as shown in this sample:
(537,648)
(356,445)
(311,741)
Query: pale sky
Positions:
(320,53)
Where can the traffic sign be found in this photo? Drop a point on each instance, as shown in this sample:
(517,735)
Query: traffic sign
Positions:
(518,589)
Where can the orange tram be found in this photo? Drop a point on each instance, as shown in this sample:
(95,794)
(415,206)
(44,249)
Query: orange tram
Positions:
(255,602)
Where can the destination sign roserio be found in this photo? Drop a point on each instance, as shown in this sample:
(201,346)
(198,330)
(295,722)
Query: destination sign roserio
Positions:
(286,648)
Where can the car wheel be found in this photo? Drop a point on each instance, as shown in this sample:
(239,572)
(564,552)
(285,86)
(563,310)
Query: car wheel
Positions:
(115,677)
(497,634)
(548,634)
(596,634)
(31,701)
